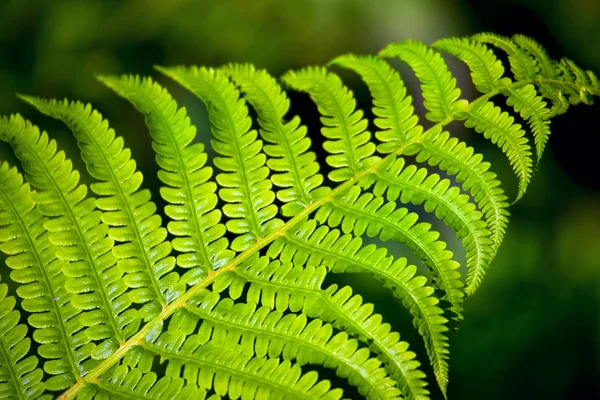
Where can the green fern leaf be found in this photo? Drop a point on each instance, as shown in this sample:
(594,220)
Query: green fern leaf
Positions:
(440,93)
(415,186)
(522,64)
(36,267)
(532,108)
(486,69)
(499,127)
(249,316)
(245,182)
(277,285)
(457,159)
(263,332)
(347,312)
(396,115)
(288,141)
(233,373)
(345,254)
(287,285)
(95,284)
(546,65)
(349,142)
(354,212)
(19,376)
(190,193)
(144,253)
(393,108)
(530,62)
(126,382)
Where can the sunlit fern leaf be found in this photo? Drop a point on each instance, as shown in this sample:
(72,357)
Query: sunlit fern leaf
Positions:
(246,187)
(247,313)
(522,64)
(393,108)
(277,285)
(125,382)
(283,286)
(440,94)
(408,184)
(486,69)
(267,333)
(371,215)
(457,159)
(190,193)
(349,142)
(499,127)
(96,286)
(344,253)
(288,142)
(539,54)
(527,64)
(35,266)
(532,108)
(231,372)
(20,378)
(396,115)
(348,312)
(144,253)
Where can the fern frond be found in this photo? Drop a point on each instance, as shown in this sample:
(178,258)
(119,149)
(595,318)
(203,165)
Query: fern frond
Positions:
(368,214)
(347,312)
(284,286)
(190,192)
(19,376)
(522,64)
(263,332)
(349,141)
(486,69)
(532,108)
(134,383)
(247,319)
(320,246)
(245,182)
(415,186)
(393,108)
(95,283)
(298,170)
(279,286)
(440,94)
(42,285)
(457,159)
(143,254)
(546,65)
(231,372)
(499,127)
(396,115)
(528,63)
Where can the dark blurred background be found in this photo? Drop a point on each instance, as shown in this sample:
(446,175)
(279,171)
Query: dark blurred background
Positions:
(533,328)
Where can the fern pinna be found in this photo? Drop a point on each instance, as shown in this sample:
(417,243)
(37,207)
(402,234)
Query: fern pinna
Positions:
(226,298)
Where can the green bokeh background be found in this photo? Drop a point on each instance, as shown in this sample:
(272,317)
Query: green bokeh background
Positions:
(532,330)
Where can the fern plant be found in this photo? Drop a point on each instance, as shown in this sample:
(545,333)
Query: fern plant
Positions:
(226,299)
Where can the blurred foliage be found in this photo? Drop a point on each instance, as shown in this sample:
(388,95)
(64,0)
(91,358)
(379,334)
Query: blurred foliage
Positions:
(534,326)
